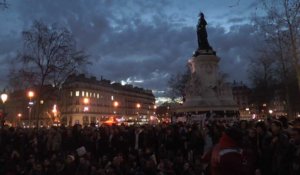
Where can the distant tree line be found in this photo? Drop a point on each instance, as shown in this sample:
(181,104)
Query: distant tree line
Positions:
(276,71)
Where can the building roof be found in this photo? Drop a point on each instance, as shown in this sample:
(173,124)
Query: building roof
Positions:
(104,82)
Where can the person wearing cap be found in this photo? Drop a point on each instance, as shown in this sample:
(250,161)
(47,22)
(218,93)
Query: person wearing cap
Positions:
(227,156)
(295,141)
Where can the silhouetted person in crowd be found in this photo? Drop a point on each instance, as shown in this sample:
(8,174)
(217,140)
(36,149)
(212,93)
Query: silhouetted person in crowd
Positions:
(280,149)
(227,157)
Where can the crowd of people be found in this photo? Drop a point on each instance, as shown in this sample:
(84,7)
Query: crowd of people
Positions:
(269,147)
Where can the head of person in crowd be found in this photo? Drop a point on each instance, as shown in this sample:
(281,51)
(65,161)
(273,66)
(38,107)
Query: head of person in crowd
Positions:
(38,167)
(260,127)
(252,133)
(284,121)
(243,124)
(295,132)
(276,127)
(59,165)
(268,122)
(235,134)
(70,159)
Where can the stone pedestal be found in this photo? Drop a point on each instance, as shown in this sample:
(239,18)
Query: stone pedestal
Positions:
(206,89)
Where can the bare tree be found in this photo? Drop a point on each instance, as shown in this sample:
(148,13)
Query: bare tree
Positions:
(177,84)
(282,24)
(49,56)
(261,75)
(279,29)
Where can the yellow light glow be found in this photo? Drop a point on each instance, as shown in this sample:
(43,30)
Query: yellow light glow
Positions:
(116,104)
(30,94)
(138,105)
(86,100)
(54,110)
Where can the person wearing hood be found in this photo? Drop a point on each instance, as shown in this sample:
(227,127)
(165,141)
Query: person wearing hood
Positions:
(227,155)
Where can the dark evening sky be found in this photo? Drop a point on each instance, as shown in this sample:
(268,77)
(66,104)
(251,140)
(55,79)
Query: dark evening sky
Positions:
(141,42)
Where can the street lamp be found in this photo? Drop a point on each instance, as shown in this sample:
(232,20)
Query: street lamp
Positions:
(4,98)
(19,118)
(270,111)
(138,106)
(86,101)
(56,119)
(115,104)
(54,110)
(30,95)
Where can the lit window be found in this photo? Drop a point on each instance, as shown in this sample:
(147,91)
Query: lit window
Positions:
(112,98)
(94,95)
(97,95)
(77,93)
(82,93)
(71,93)
(90,94)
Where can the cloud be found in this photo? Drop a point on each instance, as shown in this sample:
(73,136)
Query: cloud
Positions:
(136,40)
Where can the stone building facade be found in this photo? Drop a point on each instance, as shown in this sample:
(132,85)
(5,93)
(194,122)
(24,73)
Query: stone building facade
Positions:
(23,111)
(85,100)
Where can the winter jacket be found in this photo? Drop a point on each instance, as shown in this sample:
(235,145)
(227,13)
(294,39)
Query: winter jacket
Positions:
(227,158)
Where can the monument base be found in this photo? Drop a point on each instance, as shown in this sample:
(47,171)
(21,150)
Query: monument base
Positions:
(207,90)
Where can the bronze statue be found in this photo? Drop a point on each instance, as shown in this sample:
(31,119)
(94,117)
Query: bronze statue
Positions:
(203,44)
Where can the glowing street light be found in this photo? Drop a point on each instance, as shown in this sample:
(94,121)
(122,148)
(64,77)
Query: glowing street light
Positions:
(116,104)
(270,111)
(138,106)
(86,100)
(4,98)
(54,110)
(19,118)
(30,94)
